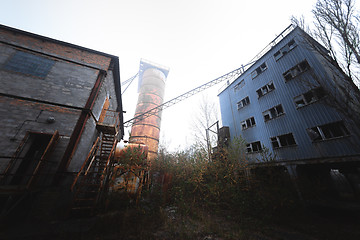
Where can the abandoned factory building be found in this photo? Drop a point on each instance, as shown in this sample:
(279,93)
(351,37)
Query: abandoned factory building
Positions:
(297,103)
(53,98)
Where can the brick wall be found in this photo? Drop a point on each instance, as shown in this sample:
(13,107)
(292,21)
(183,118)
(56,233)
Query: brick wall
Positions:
(27,101)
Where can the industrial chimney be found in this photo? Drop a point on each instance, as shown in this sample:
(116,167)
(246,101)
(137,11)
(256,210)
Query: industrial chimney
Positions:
(152,79)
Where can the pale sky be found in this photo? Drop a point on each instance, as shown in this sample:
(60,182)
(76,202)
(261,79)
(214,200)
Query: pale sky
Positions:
(199,40)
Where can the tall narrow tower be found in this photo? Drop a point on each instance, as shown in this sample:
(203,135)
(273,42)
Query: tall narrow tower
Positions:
(152,79)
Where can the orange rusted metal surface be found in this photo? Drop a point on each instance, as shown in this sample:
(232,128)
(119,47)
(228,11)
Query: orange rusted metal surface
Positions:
(152,79)
(130,168)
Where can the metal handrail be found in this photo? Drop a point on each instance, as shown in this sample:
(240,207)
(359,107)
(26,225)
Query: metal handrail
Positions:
(105,173)
(111,118)
(91,153)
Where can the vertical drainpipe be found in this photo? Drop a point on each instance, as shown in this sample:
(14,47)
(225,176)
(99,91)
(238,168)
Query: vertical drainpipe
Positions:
(79,127)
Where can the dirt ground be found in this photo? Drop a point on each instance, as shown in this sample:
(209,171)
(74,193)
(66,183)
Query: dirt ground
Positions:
(141,222)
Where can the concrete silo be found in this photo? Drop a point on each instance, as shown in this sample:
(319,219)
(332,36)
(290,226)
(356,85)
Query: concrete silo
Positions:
(152,79)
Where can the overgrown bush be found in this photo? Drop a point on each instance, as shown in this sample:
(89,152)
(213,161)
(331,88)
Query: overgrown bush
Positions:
(225,181)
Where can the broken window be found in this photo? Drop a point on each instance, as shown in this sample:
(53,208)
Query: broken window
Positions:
(266,115)
(328,131)
(253,147)
(258,70)
(265,89)
(243,103)
(278,55)
(309,97)
(279,110)
(239,85)
(296,70)
(314,134)
(292,44)
(263,67)
(299,101)
(273,112)
(284,50)
(271,86)
(303,66)
(250,122)
(283,140)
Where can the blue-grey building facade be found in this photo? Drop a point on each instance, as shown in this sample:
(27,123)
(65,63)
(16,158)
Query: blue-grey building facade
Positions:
(295,103)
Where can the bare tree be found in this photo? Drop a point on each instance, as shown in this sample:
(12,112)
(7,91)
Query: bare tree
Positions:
(340,18)
(336,26)
(206,115)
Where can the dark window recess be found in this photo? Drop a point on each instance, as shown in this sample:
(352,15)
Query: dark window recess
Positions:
(284,50)
(283,140)
(296,70)
(243,103)
(273,113)
(239,85)
(258,70)
(253,147)
(328,131)
(265,89)
(309,97)
(29,64)
(250,122)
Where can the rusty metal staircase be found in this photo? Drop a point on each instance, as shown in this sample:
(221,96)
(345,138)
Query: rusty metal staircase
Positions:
(91,183)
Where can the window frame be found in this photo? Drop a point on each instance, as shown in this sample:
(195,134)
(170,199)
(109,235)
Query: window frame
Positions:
(318,93)
(243,102)
(269,112)
(251,147)
(239,85)
(278,141)
(320,131)
(259,70)
(285,49)
(296,70)
(245,125)
(268,89)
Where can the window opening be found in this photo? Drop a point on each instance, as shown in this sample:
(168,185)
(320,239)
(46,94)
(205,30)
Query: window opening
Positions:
(250,122)
(273,113)
(239,85)
(284,50)
(296,70)
(283,140)
(253,147)
(258,70)
(309,97)
(265,89)
(243,103)
(328,131)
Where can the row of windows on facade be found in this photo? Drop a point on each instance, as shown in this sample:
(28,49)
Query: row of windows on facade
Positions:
(269,87)
(300,101)
(291,73)
(316,134)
